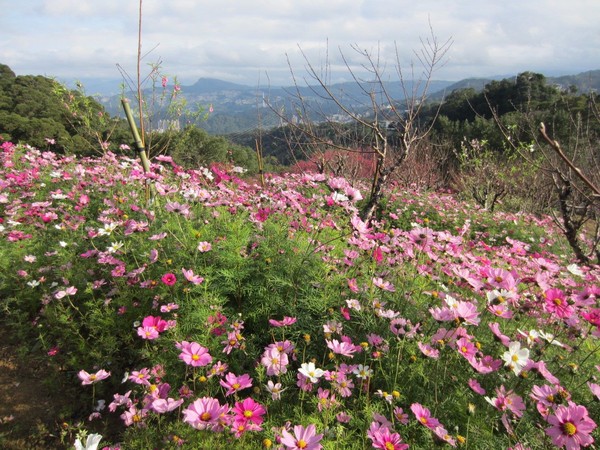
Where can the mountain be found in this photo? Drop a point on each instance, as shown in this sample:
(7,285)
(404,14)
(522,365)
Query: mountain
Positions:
(585,82)
(238,108)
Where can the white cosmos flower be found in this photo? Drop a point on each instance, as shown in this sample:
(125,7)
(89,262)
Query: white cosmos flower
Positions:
(310,371)
(114,247)
(362,372)
(531,336)
(575,270)
(91,442)
(516,357)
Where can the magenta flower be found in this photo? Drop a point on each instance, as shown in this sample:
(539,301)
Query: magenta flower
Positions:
(507,401)
(169,279)
(557,303)
(423,415)
(91,378)
(234,384)
(592,316)
(205,413)
(303,438)
(193,354)
(384,439)
(571,427)
(249,411)
(155,322)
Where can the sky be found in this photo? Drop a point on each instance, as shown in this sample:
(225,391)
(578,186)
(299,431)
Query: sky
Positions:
(260,42)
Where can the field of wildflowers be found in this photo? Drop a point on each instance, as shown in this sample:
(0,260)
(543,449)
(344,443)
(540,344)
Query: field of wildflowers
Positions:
(223,314)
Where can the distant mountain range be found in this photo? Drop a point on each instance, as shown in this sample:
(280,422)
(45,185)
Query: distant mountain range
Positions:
(237,108)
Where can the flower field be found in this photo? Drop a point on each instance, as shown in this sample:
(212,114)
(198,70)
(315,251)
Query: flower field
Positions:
(197,310)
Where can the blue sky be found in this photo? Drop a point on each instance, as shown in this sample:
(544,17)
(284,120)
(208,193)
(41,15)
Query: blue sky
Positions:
(251,41)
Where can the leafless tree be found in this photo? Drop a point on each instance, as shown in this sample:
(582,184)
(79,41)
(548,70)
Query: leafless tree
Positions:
(573,171)
(369,119)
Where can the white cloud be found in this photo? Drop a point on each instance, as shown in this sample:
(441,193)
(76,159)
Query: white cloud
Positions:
(240,40)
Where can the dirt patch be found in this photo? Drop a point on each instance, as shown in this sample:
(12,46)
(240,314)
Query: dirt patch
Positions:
(28,411)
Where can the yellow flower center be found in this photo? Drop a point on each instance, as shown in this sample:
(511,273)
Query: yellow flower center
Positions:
(389,446)
(195,357)
(301,444)
(557,301)
(247,414)
(569,428)
(515,358)
(205,416)
(236,385)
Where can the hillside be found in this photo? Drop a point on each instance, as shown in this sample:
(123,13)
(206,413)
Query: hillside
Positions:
(238,108)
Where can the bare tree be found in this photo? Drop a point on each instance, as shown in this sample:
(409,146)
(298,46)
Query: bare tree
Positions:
(573,172)
(366,119)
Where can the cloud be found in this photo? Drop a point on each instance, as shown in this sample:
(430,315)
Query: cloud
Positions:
(240,40)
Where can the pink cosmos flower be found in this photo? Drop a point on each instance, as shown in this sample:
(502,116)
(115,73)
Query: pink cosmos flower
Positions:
(485,364)
(400,415)
(204,247)
(592,316)
(134,416)
(428,350)
(191,277)
(234,384)
(91,378)
(595,389)
(501,279)
(163,405)
(205,413)
(155,322)
(476,387)
(443,434)
(140,376)
(546,398)
(193,354)
(302,439)
(341,348)
(466,348)
(383,285)
(275,361)
(149,333)
(571,427)
(495,327)
(423,415)
(556,303)
(249,411)
(507,401)
(284,322)
(169,279)
(384,439)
